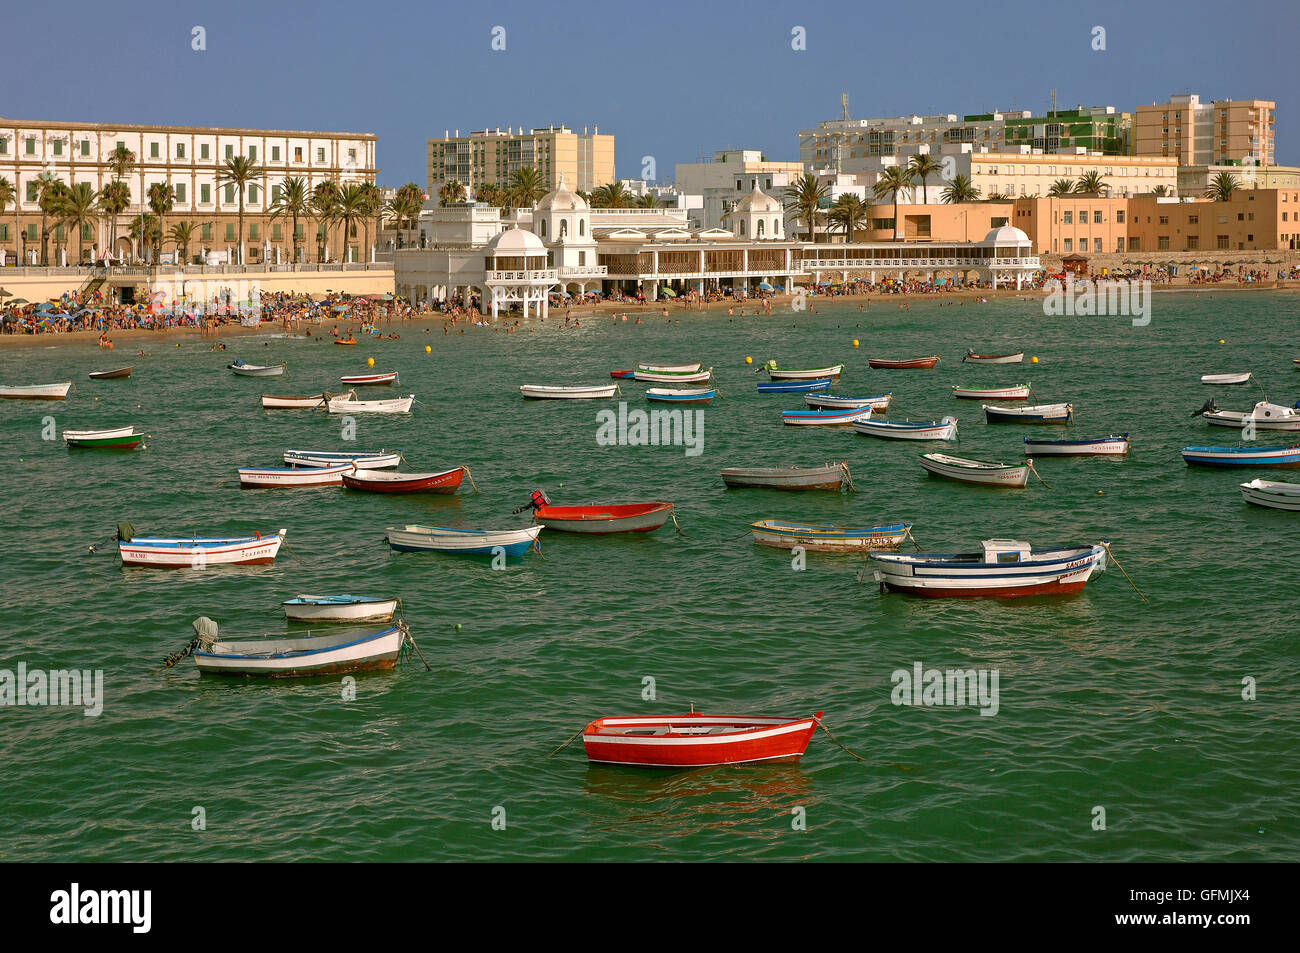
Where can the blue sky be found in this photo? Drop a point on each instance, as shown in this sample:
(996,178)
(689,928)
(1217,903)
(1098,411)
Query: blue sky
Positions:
(671,79)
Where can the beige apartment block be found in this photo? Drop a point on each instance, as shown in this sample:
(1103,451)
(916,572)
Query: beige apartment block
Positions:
(1238,131)
(492,157)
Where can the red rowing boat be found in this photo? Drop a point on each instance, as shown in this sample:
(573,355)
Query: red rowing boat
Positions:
(364,379)
(389,481)
(696,741)
(625,518)
(915,363)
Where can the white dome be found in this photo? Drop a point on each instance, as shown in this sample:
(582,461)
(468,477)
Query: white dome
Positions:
(1007,235)
(515,243)
(562,200)
(758,201)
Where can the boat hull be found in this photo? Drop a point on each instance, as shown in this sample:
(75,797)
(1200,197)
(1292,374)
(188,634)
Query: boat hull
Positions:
(1225,379)
(1057,572)
(368,610)
(1280,458)
(993,393)
(1014,358)
(945,429)
(939,465)
(538,392)
(254,370)
(399,405)
(375,652)
(125,439)
(829,477)
(284,478)
(834,372)
(37,391)
(910,364)
(364,460)
(118,374)
(880,402)
(689,742)
(1105,447)
(792,387)
(463,542)
(665,377)
(447,481)
(1043,414)
(370,380)
(1274,496)
(824,418)
(200,553)
(828,539)
(272,402)
(632,518)
(697,396)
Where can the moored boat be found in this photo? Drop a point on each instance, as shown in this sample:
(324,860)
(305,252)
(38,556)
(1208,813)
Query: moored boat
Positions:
(368,380)
(363,459)
(112,375)
(309,402)
(1225,378)
(791,387)
(699,395)
(976,471)
(1030,414)
(120,438)
(199,552)
(674,377)
(911,363)
(1264,416)
(879,403)
(671,368)
(541,392)
(623,375)
(57,391)
(824,418)
(1014,357)
(1109,446)
(350,405)
(281,656)
(616,518)
(1276,496)
(1273,457)
(374,481)
(1015,392)
(344,608)
(696,740)
(819,537)
(833,371)
(945,429)
(475,542)
(828,476)
(257,370)
(1003,569)
(284,477)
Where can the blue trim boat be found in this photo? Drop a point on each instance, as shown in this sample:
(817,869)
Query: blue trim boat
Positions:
(1276,457)
(473,542)
(790,387)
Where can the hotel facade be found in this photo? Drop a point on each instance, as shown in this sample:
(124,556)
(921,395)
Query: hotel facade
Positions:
(190,160)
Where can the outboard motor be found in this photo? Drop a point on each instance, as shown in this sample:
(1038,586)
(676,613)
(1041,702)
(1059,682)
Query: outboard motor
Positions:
(535,502)
(1208,407)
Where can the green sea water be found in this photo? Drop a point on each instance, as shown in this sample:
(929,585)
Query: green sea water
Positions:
(1105,702)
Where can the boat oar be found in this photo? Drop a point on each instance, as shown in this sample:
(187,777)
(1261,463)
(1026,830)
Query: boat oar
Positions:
(1030,463)
(833,738)
(1106,546)
(471,477)
(567,743)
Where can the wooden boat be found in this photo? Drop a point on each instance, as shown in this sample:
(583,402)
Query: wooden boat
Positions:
(695,740)
(257,370)
(617,518)
(283,477)
(1015,392)
(945,429)
(363,459)
(791,387)
(828,476)
(670,368)
(540,392)
(975,471)
(37,391)
(1264,416)
(296,657)
(112,375)
(369,380)
(339,609)
(824,418)
(121,438)
(913,363)
(1031,414)
(1279,458)
(674,377)
(199,552)
(879,403)
(309,402)
(1111,446)
(350,405)
(1225,378)
(476,542)
(1015,357)
(1004,569)
(447,481)
(834,371)
(700,395)
(1275,496)
(623,375)
(819,537)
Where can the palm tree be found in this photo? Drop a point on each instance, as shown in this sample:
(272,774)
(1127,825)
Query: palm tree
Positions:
(79,209)
(848,213)
(324,206)
(526,187)
(451,192)
(162,199)
(649,200)
(1160,191)
(351,207)
(960,190)
(144,229)
(923,166)
(9,194)
(613,195)
(239,171)
(121,161)
(48,195)
(805,197)
(1091,183)
(374,201)
(491,194)
(114,199)
(294,202)
(1222,186)
(182,233)
(1060,187)
(893,180)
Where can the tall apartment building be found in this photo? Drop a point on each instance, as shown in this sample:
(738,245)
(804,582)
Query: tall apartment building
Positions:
(492,157)
(190,160)
(1226,131)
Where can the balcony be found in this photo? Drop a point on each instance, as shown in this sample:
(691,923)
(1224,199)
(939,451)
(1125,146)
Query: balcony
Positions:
(583,271)
(532,276)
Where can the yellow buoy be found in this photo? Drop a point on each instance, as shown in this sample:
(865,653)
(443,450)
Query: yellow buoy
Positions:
(370,362)
(855,342)
(749,360)
(1033,360)
(1101,492)
(427,349)
(1220,340)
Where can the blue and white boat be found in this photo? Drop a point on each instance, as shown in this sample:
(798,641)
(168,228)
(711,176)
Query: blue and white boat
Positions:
(341,608)
(820,537)
(364,459)
(290,657)
(280,477)
(878,403)
(1273,457)
(1031,414)
(790,387)
(1004,569)
(698,395)
(1108,446)
(474,542)
(824,418)
(945,429)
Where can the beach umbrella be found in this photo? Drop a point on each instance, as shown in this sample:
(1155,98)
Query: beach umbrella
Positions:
(668,292)
(20,301)
(44,306)
(339,307)
(764,286)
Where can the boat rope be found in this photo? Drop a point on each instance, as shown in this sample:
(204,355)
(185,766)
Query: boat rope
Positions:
(844,465)
(410,640)
(180,656)
(676,525)
(471,477)
(1030,463)
(836,740)
(567,743)
(537,546)
(1106,546)
(618,390)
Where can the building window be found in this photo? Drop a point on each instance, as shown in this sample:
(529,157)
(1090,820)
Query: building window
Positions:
(4,151)
(203,150)
(31,233)
(180,150)
(153,150)
(352,156)
(252,232)
(1162,242)
(31,191)
(275,194)
(582,258)
(1119,245)
(1164,219)
(31,146)
(4,233)
(1193,242)
(275,232)
(1193,219)
(252,194)
(230,233)
(275,153)
(320,154)
(1067,218)
(230,151)
(180,192)
(1119,216)
(205,194)
(1221,241)
(206,232)
(58,147)
(1134,244)
(230,194)
(1069,244)
(297,153)
(252,153)
(1096,217)
(1096,245)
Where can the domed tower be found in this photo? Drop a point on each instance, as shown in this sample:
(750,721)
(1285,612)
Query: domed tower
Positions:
(757,217)
(516,271)
(562,220)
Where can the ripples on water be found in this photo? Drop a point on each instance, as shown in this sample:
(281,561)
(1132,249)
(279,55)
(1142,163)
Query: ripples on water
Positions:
(1104,701)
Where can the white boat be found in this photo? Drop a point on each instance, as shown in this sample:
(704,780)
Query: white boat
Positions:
(271,477)
(370,380)
(1015,357)
(880,402)
(37,391)
(976,471)
(819,537)
(828,476)
(945,429)
(1225,378)
(701,376)
(1264,416)
(1109,446)
(1031,414)
(350,405)
(1004,569)
(257,370)
(1276,496)
(306,608)
(670,368)
(444,539)
(542,392)
(775,373)
(825,418)
(289,656)
(363,459)
(272,402)
(1014,392)
(199,552)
